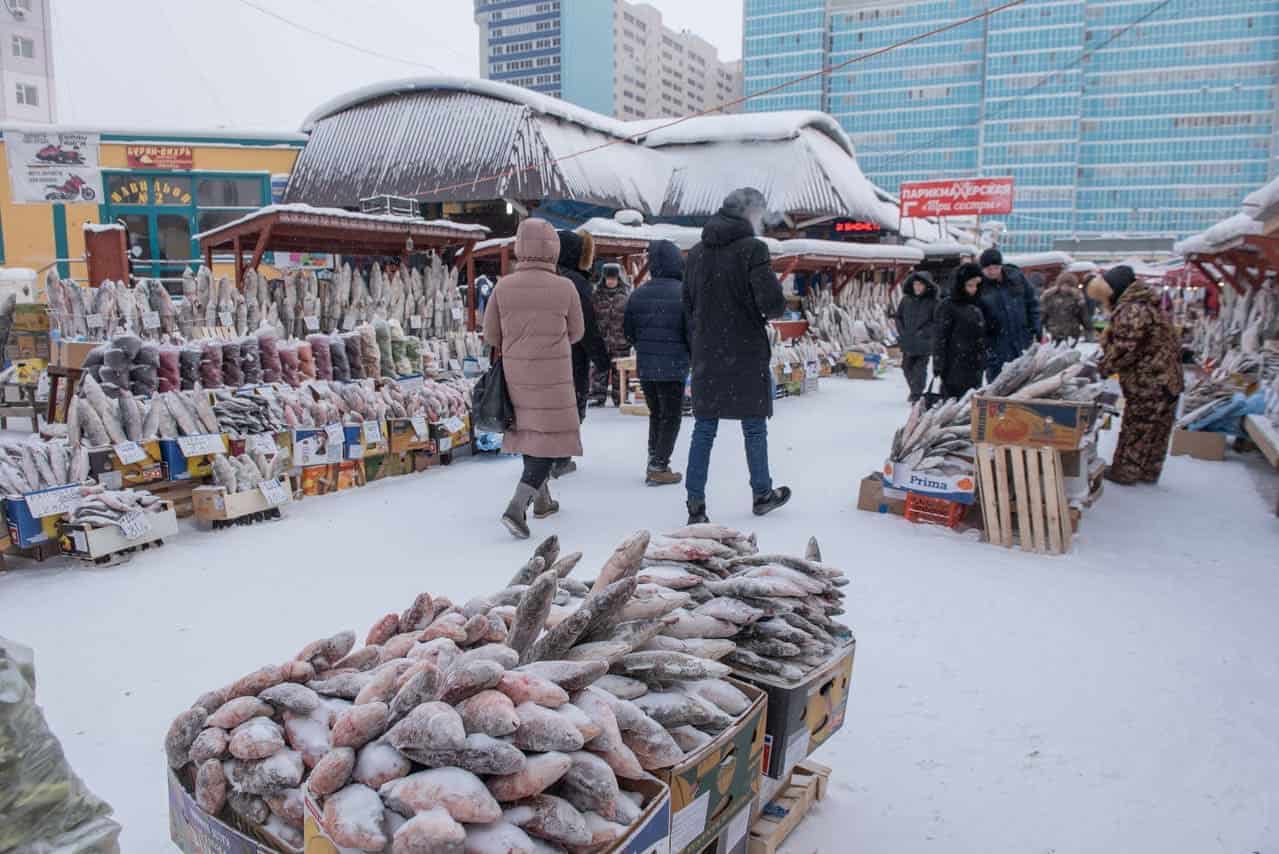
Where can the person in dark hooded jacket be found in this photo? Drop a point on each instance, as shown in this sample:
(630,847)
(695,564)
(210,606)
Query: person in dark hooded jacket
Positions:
(576,255)
(959,340)
(730,293)
(1011,307)
(915,313)
(655,326)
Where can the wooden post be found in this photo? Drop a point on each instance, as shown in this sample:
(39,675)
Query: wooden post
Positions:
(472,295)
(208,257)
(239,264)
(259,250)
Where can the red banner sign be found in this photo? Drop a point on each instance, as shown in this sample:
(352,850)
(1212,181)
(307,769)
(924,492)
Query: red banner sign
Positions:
(963,197)
(160,156)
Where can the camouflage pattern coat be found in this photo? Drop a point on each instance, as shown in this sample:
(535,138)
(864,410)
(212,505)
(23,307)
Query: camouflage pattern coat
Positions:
(610,312)
(1064,312)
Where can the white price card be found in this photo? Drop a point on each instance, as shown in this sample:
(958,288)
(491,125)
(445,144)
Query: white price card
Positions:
(453,424)
(53,502)
(204,443)
(261,443)
(415,321)
(150,320)
(226,318)
(687,824)
(355,452)
(446,444)
(373,432)
(735,832)
(831,359)
(348,323)
(335,433)
(129,453)
(455,365)
(135,524)
(484,362)
(785,367)
(94,321)
(312,323)
(419,426)
(267,392)
(275,492)
(457,313)
(411,384)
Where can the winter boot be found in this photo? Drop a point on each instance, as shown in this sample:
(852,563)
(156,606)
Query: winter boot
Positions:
(697,511)
(661,476)
(543,504)
(562,468)
(771,500)
(1119,476)
(515,518)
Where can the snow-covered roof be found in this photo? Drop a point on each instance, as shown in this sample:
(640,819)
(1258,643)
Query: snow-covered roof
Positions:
(409,223)
(103,226)
(682,236)
(1040,259)
(742,127)
(149,134)
(943,248)
(1263,204)
(852,251)
(1079,267)
(1230,228)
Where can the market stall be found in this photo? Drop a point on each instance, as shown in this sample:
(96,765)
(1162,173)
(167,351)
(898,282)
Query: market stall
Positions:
(1048,264)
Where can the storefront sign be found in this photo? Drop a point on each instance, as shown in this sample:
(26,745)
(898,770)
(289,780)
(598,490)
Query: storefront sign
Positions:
(145,190)
(160,156)
(53,167)
(965,197)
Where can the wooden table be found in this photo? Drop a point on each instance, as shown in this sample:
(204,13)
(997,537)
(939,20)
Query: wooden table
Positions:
(56,373)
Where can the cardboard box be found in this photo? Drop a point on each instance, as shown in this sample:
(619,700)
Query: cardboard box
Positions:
(425,459)
(107,469)
(358,445)
(712,786)
(958,487)
(31,317)
(215,504)
(1199,444)
(401,437)
(452,432)
(27,345)
(871,497)
(1264,435)
(71,354)
(29,370)
(801,718)
(196,832)
(92,543)
(178,466)
(316,480)
(311,447)
(1032,423)
(283,443)
(25,529)
(382,466)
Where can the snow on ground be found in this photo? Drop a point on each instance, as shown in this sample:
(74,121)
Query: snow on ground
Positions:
(1120,698)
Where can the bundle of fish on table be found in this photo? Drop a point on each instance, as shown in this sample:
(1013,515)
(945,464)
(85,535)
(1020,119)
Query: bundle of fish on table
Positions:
(1217,400)
(33,464)
(804,350)
(100,507)
(113,308)
(1244,322)
(859,319)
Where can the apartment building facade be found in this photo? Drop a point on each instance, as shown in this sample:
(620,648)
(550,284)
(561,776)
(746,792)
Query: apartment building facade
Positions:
(26,72)
(1114,116)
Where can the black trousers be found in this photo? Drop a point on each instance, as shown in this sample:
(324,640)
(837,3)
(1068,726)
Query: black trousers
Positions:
(916,370)
(537,470)
(665,408)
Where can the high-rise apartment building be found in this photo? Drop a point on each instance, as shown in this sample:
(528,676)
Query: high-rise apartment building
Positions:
(1139,117)
(26,73)
(610,56)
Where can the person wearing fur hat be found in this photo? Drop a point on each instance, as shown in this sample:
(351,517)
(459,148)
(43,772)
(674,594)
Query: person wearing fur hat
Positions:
(610,298)
(1011,307)
(1141,346)
(914,317)
(1064,310)
(959,339)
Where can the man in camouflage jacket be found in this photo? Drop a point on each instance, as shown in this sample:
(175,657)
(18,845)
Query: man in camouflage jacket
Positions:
(1141,346)
(609,302)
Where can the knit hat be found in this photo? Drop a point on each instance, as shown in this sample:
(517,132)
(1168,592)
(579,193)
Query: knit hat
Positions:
(991,258)
(1119,278)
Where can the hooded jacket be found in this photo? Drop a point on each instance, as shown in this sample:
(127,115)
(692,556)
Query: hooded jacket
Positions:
(1141,346)
(915,315)
(654,322)
(610,309)
(1011,307)
(959,342)
(590,350)
(730,293)
(534,317)
(1064,309)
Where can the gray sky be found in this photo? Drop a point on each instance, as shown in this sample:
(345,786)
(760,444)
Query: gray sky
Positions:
(222,63)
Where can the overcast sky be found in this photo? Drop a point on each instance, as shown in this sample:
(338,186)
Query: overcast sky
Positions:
(223,63)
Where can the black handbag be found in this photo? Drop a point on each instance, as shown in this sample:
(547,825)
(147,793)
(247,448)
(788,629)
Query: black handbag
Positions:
(491,405)
(933,393)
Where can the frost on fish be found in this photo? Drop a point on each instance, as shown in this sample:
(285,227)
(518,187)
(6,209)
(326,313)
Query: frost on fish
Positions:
(459,792)
(270,776)
(431,831)
(430,726)
(730,610)
(420,687)
(211,743)
(344,685)
(309,734)
(292,697)
(465,679)
(380,688)
(235,712)
(541,771)
(332,771)
(721,693)
(590,784)
(323,653)
(364,658)
(256,738)
(592,703)
(652,744)
(622,687)
(489,712)
(249,807)
(543,729)
(603,831)
(481,754)
(690,738)
(378,763)
(383,630)
(288,806)
(530,614)
(182,734)
(550,818)
(606,651)
(569,675)
(353,818)
(584,723)
(359,725)
(211,787)
(257,681)
(665,665)
(525,687)
(497,836)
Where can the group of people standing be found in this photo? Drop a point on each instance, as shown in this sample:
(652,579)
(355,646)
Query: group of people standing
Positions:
(707,317)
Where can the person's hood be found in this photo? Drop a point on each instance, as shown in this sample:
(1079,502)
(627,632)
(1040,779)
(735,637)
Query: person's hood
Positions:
(963,273)
(724,228)
(587,261)
(665,260)
(1120,279)
(536,241)
(570,249)
(1138,291)
(930,287)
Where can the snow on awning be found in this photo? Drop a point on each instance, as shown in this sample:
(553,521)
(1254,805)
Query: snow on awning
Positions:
(1081,267)
(943,248)
(1040,259)
(1211,239)
(847,251)
(682,236)
(1263,204)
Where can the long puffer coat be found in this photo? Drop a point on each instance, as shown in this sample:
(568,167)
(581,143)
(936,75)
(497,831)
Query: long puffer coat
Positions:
(590,350)
(1011,307)
(959,342)
(1142,347)
(730,293)
(533,317)
(915,316)
(655,323)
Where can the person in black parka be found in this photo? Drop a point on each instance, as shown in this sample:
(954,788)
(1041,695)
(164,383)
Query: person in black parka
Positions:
(959,340)
(730,293)
(655,326)
(915,313)
(1011,307)
(577,254)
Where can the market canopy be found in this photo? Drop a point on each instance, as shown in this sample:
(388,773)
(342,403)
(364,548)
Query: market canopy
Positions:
(842,261)
(1243,249)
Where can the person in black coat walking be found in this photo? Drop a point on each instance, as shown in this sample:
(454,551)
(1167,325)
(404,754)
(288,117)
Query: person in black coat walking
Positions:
(1011,307)
(915,313)
(959,342)
(577,253)
(655,326)
(730,293)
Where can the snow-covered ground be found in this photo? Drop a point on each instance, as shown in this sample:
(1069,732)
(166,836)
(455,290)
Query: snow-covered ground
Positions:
(1121,698)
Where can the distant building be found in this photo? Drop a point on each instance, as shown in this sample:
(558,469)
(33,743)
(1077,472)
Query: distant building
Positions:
(1156,131)
(26,74)
(610,56)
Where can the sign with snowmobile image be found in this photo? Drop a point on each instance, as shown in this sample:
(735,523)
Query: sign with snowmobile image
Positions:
(53,167)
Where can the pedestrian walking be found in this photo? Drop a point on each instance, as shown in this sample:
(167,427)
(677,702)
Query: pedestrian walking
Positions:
(915,319)
(577,254)
(534,317)
(959,343)
(655,326)
(1064,310)
(1142,347)
(730,293)
(1011,307)
(610,309)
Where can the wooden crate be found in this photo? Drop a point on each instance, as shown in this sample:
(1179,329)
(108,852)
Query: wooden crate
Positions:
(1026,483)
(179,493)
(779,818)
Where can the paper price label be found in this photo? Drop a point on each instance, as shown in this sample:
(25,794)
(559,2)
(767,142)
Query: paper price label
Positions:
(312,323)
(446,444)
(415,321)
(419,426)
(485,364)
(94,321)
(129,453)
(453,424)
(831,359)
(457,313)
(267,392)
(261,443)
(355,452)
(53,502)
(348,323)
(150,320)
(455,365)
(204,443)
(786,367)
(135,524)
(411,384)
(275,492)
(335,433)
(373,432)
(226,318)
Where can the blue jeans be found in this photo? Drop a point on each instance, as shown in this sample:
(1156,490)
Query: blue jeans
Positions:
(754,431)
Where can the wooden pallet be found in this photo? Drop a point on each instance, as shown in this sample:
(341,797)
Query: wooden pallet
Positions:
(805,787)
(1027,483)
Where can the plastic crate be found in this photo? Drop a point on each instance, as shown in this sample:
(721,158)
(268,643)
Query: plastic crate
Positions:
(928,510)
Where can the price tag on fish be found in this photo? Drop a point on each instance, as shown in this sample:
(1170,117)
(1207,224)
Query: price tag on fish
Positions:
(226,318)
(335,433)
(419,426)
(261,443)
(415,321)
(312,323)
(203,443)
(94,321)
(275,492)
(831,359)
(453,424)
(457,313)
(135,525)
(348,323)
(150,320)
(129,453)
(409,385)
(373,432)
(53,502)
(485,364)
(785,367)
(446,444)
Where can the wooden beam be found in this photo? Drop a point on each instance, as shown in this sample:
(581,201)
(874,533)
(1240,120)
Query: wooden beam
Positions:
(472,296)
(259,249)
(239,263)
(208,257)
(506,260)
(642,273)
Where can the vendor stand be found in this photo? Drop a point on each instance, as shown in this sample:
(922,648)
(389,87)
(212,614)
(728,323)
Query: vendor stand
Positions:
(1050,265)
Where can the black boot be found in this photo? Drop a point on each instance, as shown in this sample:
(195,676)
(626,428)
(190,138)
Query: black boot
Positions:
(697,511)
(771,500)
(516,516)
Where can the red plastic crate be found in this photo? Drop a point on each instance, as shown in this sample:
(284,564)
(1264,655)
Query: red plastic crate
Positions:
(927,510)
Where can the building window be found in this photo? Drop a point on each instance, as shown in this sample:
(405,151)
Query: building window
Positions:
(24,48)
(28,95)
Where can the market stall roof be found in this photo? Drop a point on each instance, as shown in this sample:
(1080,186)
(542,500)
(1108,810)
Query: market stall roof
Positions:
(456,139)
(1242,249)
(943,248)
(1039,260)
(1263,205)
(683,236)
(836,250)
(1080,268)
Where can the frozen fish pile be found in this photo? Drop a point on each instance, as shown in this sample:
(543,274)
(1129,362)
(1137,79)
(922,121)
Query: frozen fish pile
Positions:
(125,363)
(104,508)
(459,345)
(859,319)
(801,351)
(244,473)
(34,464)
(113,308)
(1217,399)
